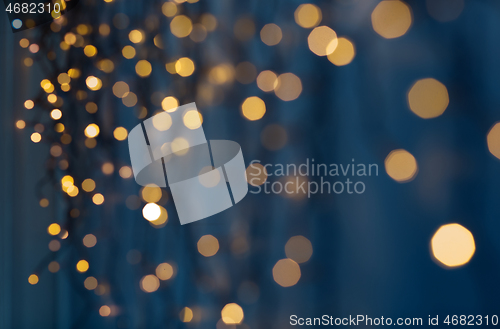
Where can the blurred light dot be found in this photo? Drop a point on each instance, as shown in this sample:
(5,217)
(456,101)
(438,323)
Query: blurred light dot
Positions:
(391,18)
(343,54)
(274,137)
(128,52)
(169,104)
(151,193)
(208,245)
(90,283)
(17,23)
(82,266)
(150,283)
(162,220)
(267,81)
(271,34)
(286,272)
(244,29)
(181,26)
(289,87)
(121,89)
(299,249)
(199,33)
(493,140)
(54,245)
(93,83)
(256,174)
(120,133)
(52,98)
(20,124)
(322,41)
(54,267)
(34,48)
(92,130)
(164,271)
(184,67)
(106,65)
(221,74)
(108,168)
(151,212)
(401,166)
(28,62)
(453,245)
(162,121)
(308,15)
(428,98)
(54,229)
(253,108)
(246,72)
(105,311)
(209,22)
(180,146)
(186,314)
(143,68)
(192,119)
(125,172)
(130,100)
(88,185)
(136,36)
(90,51)
(24,43)
(209,177)
(98,199)
(56,114)
(232,313)
(445,10)
(89,241)
(169,9)
(33,279)
(29,104)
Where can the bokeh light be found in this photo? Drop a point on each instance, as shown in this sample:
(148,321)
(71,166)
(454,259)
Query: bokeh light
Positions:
(308,15)
(299,249)
(208,245)
(391,18)
(232,313)
(453,245)
(344,53)
(149,283)
(428,98)
(286,272)
(401,166)
(322,41)
(253,108)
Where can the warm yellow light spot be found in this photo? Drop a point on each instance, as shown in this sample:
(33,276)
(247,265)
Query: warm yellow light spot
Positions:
(209,22)
(308,15)
(89,241)
(289,87)
(271,34)
(28,62)
(70,38)
(186,314)
(192,119)
(244,29)
(128,52)
(92,130)
(180,146)
(56,114)
(253,108)
(184,67)
(162,121)
(90,51)
(47,86)
(493,140)
(54,267)
(125,172)
(150,283)
(82,266)
(401,166)
(33,279)
(181,26)
(162,220)
(221,74)
(20,124)
(36,137)
(24,43)
(106,65)
(299,249)
(66,182)
(344,53)
(232,313)
(453,245)
(169,9)
(93,83)
(322,41)
(105,311)
(428,98)
(143,68)
(63,78)
(164,271)
(169,104)
(98,199)
(286,272)
(209,177)
(54,245)
(54,229)
(151,193)
(136,36)
(104,29)
(120,133)
(56,151)
(121,89)
(391,18)
(29,104)
(199,33)
(44,203)
(108,168)
(90,283)
(74,73)
(208,245)
(52,98)
(151,212)
(88,185)
(267,81)
(256,174)
(73,191)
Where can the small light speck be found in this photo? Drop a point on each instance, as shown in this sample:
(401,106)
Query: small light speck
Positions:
(17,23)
